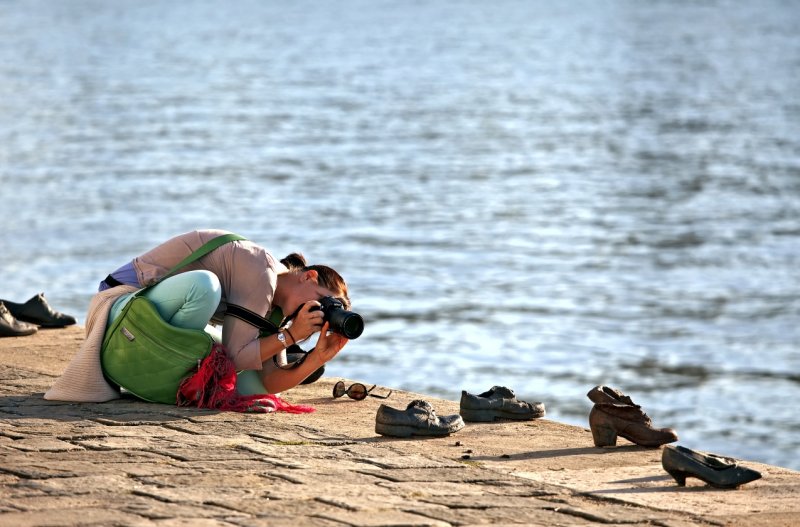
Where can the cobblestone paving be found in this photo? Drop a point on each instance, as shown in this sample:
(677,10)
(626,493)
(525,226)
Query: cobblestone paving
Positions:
(132,463)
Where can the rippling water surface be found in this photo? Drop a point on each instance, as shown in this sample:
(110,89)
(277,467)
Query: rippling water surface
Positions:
(544,195)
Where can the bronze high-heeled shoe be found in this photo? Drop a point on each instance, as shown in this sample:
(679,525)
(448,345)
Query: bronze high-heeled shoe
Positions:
(607,421)
(717,471)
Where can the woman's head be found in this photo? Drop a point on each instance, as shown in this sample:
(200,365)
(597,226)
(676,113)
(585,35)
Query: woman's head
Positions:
(323,276)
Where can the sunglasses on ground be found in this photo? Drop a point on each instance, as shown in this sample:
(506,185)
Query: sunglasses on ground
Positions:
(356,391)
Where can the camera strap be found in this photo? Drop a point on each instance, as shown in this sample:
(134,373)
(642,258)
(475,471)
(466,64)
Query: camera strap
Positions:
(266,326)
(296,311)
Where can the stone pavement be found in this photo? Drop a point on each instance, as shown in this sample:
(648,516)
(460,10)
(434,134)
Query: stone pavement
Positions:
(132,463)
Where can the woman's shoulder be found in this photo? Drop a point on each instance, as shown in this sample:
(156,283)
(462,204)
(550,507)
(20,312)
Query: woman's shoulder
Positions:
(255,257)
(243,256)
(252,274)
(207,234)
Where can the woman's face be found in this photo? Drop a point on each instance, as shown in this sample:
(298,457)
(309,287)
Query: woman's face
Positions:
(305,289)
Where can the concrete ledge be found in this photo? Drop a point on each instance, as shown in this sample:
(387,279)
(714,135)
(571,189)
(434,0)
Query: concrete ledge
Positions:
(132,463)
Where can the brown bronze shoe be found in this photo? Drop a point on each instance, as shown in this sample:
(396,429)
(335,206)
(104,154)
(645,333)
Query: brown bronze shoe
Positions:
(608,395)
(607,421)
(11,327)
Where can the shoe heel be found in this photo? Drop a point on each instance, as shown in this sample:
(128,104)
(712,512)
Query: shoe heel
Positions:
(604,436)
(679,476)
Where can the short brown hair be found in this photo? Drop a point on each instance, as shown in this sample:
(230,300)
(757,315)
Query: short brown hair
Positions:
(326,276)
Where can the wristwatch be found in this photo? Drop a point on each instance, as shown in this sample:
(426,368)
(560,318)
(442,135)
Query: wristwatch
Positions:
(282,339)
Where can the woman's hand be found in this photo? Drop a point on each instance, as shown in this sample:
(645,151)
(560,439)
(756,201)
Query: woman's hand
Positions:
(307,322)
(276,380)
(328,344)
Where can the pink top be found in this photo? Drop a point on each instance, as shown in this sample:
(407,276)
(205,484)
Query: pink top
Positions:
(248,275)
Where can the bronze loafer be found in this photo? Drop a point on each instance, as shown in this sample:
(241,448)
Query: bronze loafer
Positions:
(498,403)
(11,327)
(418,419)
(37,311)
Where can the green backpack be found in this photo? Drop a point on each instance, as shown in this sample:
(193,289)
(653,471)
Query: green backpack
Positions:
(149,357)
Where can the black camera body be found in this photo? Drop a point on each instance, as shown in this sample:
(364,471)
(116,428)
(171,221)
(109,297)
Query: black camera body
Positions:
(346,323)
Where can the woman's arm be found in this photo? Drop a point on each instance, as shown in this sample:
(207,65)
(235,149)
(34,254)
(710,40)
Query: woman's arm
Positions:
(276,380)
(305,324)
(270,346)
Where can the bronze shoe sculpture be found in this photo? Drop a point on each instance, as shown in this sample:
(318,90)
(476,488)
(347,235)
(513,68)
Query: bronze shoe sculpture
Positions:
(497,403)
(717,471)
(11,327)
(607,394)
(418,419)
(37,311)
(607,421)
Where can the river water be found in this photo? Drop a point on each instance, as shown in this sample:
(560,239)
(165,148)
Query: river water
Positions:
(542,195)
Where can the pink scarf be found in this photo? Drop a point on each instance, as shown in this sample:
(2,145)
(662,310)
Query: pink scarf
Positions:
(214,387)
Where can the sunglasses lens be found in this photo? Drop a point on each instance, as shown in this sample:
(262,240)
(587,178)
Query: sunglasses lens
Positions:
(357,392)
(338,389)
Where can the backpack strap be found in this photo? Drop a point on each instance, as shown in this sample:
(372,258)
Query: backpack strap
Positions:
(203,250)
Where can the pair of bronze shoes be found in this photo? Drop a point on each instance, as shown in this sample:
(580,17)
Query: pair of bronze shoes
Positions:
(25,319)
(615,414)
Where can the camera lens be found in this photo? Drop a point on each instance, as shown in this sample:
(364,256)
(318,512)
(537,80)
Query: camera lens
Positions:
(341,321)
(346,323)
(353,326)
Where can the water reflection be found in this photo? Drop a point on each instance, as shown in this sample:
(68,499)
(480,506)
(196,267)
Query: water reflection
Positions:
(528,193)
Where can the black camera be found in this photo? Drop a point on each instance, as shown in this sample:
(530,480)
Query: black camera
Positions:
(344,322)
